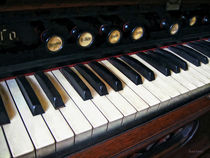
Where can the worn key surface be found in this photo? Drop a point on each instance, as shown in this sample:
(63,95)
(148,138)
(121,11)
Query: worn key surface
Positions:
(49,89)
(95,82)
(29,95)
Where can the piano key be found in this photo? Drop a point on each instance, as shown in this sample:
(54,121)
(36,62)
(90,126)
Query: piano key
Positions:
(4,118)
(163,69)
(95,82)
(184,55)
(112,80)
(139,67)
(138,103)
(153,87)
(62,133)
(35,125)
(29,95)
(77,121)
(173,58)
(164,84)
(77,83)
(195,54)
(126,70)
(94,116)
(200,49)
(49,90)
(15,132)
(128,111)
(205,43)
(190,76)
(142,92)
(175,87)
(169,63)
(3,146)
(111,113)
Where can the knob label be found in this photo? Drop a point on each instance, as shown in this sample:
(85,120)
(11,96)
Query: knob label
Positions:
(114,37)
(54,44)
(137,33)
(85,39)
(174,29)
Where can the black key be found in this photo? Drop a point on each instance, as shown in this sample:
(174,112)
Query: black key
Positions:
(4,118)
(181,63)
(200,43)
(155,63)
(77,83)
(186,56)
(166,62)
(139,67)
(205,43)
(96,83)
(194,53)
(126,70)
(200,49)
(105,74)
(49,90)
(30,96)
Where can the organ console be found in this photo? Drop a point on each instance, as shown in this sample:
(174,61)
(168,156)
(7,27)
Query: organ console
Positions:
(102,79)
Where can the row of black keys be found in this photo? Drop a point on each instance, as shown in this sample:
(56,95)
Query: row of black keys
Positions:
(162,60)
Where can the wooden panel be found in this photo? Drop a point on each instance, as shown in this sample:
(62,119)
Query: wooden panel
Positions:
(136,138)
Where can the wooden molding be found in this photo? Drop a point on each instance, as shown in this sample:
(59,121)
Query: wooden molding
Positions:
(134,139)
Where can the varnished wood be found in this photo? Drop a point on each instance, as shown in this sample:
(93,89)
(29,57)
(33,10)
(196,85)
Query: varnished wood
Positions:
(20,5)
(132,140)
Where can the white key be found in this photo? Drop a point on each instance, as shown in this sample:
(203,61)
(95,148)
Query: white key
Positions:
(36,127)
(138,103)
(119,101)
(105,106)
(74,117)
(95,117)
(153,86)
(142,92)
(59,128)
(166,83)
(188,74)
(17,137)
(4,151)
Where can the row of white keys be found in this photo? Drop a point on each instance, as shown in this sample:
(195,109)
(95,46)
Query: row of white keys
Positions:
(128,111)
(198,78)
(139,90)
(164,81)
(173,87)
(155,88)
(187,75)
(16,135)
(77,121)
(138,103)
(39,133)
(4,150)
(95,117)
(111,113)
(62,133)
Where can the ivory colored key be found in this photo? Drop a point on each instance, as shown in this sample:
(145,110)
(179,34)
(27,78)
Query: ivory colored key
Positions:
(105,106)
(56,123)
(134,100)
(120,102)
(155,86)
(15,131)
(4,150)
(174,87)
(142,92)
(36,127)
(94,116)
(72,114)
(191,75)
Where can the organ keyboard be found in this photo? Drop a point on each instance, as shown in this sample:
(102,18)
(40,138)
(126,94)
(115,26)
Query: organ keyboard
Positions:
(60,109)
